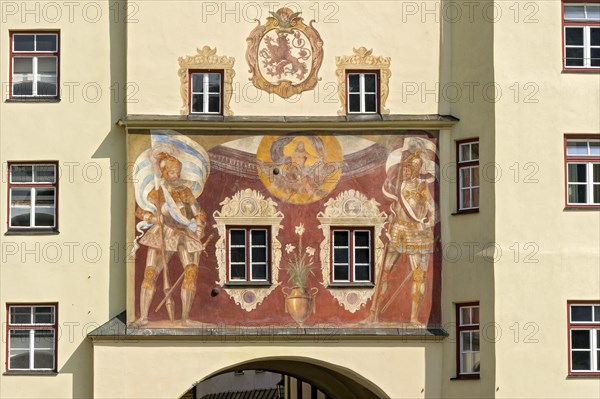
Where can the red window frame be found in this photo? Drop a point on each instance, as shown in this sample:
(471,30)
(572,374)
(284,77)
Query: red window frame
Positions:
(32,184)
(248,279)
(575,23)
(190,97)
(377,74)
(351,263)
(461,328)
(578,159)
(39,326)
(466,164)
(593,326)
(13,54)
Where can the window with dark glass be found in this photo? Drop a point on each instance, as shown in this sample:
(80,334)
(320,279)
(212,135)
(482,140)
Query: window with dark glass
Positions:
(582,157)
(468,175)
(584,338)
(352,253)
(467,331)
(32,195)
(34,64)
(363,92)
(205,92)
(248,254)
(581,35)
(31,338)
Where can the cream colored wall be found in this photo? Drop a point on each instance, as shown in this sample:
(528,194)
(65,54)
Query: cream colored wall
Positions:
(400,369)
(564,245)
(75,268)
(163,33)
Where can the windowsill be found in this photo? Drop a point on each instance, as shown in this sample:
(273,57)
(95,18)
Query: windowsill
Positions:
(33,100)
(583,375)
(31,372)
(205,117)
(465,377)
(247,284)
(351,285)
(31,232)
(363,117)
(582,207)
(581,70)
(465,211)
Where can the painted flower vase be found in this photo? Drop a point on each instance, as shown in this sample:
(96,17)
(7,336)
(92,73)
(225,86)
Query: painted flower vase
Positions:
(299,302)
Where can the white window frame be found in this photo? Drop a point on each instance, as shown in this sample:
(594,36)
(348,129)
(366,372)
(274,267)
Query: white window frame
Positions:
(472,166)
(469,329)
(249,263)
(33,185)
(32,327)
(362,92)
(351,249)
(578,23)
(589,160)
(205,92)
(35,55)
(593,328)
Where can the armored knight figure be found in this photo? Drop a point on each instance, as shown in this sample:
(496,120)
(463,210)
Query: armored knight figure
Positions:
(178,227)
(410,228)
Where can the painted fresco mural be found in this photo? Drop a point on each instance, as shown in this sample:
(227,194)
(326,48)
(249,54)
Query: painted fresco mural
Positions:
(293,228)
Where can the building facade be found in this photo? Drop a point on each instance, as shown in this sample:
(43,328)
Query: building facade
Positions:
(380,199)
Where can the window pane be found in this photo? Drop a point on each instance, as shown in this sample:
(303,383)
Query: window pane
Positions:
(43,339)
(596,173)
(20,339)
(259,237)
(595,57)
(475,195)
(43,359)
(577,194)
(214,82)
(238,272)
(465,199)
(465,363)
(580,339)
(577,172)
(574,12)
(44,173)
(43,314)
(597,318)
(340,255)
(370,103)
(353,83)
(593,12)
(21,173)
(362,273)
(44,196)
(259,272)
(464,153)
(20,315)
(44,217)
(362,255)
(198,82)
(465,341)
(22,66)
(580,360)
(577,148)
(22,76)
(474,151)
(361,238)
(340,238)
(47,65)
(197,103)
(581,313)
(574,36)
(354,105)
(595,36)
(259,255)
(214,103)
(475,341)
(596,194)
(476,363)
(475,315)
(238,254)
(465,177)
(370,83)
(20,217)
(574,57)
(465,315)
(594,147)
(46,43)
(20,196)
(340,273)
(23,42)
(237,237)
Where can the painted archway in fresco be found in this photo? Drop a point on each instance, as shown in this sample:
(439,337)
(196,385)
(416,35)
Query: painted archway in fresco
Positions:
(291,228)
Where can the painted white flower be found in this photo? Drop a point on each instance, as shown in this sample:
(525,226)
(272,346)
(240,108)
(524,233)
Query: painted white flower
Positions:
(310,251)
(300,229)
(289,248)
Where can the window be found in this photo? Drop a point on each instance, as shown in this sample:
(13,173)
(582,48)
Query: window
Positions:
(582,158)
(248,255)
(584,338)
(32,195)
(205,92)
(581,35)
(468,175)
(352,255)
(363,92)
(31,337)
(34,65)
(467,332)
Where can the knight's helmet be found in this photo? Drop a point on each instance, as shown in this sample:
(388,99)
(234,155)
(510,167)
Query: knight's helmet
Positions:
(167,162)
(412,164)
